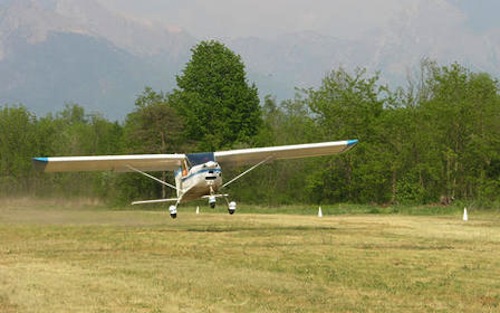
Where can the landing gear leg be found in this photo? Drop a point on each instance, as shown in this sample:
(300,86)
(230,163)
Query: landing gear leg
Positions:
(211,199)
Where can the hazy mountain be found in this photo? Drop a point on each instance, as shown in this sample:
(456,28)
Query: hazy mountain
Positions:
(303,59)
(439,33)
(57,51)
(295,60)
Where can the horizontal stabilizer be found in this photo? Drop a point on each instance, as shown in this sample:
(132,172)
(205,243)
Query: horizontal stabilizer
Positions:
(224,195)
(154,201)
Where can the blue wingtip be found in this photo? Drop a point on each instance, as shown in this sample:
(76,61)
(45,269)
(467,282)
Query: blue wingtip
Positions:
(352,142)
(40,163)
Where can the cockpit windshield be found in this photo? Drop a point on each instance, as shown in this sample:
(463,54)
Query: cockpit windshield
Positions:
(200,158)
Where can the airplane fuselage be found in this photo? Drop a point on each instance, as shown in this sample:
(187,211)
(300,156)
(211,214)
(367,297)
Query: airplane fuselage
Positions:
(199,181)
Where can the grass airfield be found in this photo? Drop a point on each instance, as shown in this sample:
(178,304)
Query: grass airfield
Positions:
(79,257)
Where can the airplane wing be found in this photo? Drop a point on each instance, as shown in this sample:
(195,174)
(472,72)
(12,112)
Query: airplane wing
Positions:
(118,163)
(164,162)
(255,155)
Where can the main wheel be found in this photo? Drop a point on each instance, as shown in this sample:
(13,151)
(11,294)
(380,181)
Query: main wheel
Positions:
(232,207)
(173,211)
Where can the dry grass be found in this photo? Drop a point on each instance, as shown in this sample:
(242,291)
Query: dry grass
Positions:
(67,257)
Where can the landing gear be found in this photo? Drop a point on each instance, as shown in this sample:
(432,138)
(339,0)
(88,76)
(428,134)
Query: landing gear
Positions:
(211,202)
(173,211)
(232,207)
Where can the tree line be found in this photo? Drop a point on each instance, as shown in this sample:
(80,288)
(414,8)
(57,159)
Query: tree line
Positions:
(437,137)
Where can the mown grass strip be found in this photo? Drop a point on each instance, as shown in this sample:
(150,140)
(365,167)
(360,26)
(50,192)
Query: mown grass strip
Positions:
(60,259)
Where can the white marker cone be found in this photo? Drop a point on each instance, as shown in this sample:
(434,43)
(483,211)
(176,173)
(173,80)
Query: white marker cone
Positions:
(466,217)
(320,213)
(197,210)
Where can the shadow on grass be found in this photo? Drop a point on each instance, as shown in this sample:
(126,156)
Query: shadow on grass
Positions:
(226,229)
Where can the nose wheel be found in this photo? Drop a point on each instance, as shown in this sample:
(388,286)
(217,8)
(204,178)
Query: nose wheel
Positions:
(211,202)
(231,206)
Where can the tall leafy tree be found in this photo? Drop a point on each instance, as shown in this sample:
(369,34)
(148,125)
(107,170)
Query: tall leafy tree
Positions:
(153,127)
(408,140)
(75,132)
(220,108)
(350,106)
(282,182)
(463,114)
(18,140)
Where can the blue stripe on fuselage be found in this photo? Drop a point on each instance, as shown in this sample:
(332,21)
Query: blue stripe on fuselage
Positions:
(215,170)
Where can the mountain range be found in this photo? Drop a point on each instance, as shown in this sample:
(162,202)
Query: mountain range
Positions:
(54,52)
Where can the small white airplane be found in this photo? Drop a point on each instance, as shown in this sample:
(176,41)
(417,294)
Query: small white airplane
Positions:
(197,175)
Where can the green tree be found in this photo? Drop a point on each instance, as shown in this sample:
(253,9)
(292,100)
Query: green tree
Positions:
(281,182)
(153,127)
(407,138)
(18,142)
(463,114)
(351,106)
(74,132)
(219,107)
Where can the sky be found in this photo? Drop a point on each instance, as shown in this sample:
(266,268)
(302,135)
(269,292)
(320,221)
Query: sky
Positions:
(348,19)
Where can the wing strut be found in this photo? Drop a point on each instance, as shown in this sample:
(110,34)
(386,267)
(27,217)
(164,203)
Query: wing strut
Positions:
(247,171)
(152,177)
